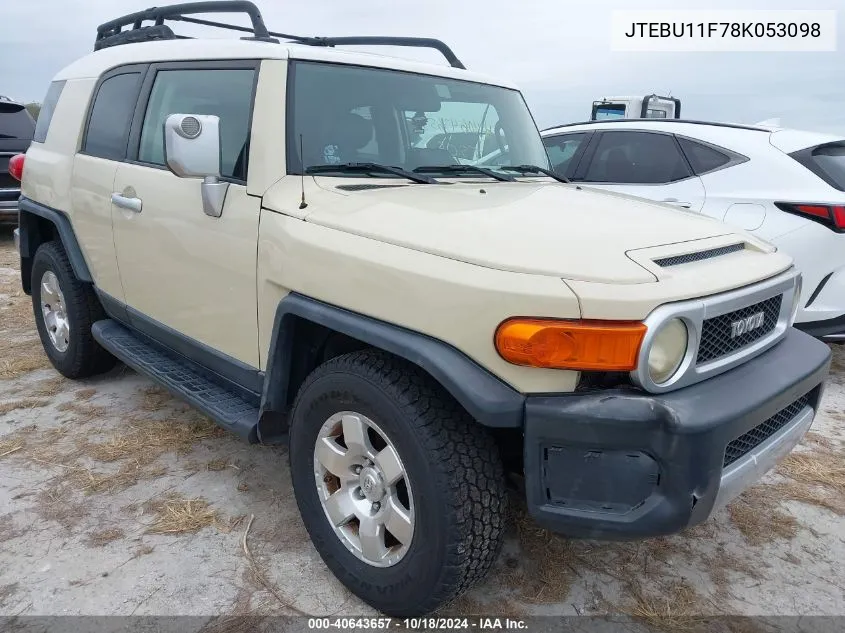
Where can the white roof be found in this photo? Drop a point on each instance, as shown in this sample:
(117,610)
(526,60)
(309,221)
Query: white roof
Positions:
(733,136)
(96,63)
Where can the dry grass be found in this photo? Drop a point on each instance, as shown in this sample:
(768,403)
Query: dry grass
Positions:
(128,475)
(151,439)
(101,538)
(11,445)
(49,387)
(756,513)
(816,468)
(813,437)
(83,395)
(56,503)
(548,563)
(20,357)
(811,495)
(181,516)
(216,465)
(82,411)
(25,403)
(155,398)
(671,609)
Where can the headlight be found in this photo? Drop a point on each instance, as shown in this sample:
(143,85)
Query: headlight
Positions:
(796,300)
(668,349)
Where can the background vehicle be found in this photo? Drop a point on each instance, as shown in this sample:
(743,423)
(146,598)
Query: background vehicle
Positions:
(261,227)
(785,186)
(647,107)
(16,130)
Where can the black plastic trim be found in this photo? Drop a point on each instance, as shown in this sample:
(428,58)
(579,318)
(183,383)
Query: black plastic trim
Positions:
(489,400)
(820,329)
(685,431)
(234,374)
(29,241)
(818,289)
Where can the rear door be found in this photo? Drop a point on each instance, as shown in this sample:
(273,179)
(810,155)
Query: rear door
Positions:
(645,164)
(104,141)
(192,273)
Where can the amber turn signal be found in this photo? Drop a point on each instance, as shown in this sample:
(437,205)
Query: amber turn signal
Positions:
(578,345)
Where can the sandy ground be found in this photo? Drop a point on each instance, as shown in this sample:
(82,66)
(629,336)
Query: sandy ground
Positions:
(115,499)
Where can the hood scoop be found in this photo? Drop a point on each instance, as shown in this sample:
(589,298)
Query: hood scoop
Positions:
(687,258)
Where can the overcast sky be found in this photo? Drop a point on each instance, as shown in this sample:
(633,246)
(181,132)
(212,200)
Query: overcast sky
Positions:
(557,51)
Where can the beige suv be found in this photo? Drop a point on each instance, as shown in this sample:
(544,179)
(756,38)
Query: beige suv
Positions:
(278,233)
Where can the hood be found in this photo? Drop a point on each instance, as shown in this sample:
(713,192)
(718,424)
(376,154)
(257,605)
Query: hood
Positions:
(538,228)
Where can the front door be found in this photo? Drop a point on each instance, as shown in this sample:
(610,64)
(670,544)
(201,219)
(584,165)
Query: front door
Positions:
(180,268)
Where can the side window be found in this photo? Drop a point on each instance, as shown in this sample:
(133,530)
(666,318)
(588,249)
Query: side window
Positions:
(108,127)
(703,158)
(637,158)
(226,93)
(47,109)
(561,149)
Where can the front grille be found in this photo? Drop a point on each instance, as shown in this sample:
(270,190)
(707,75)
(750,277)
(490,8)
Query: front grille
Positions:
(677,260)
(763,431)
(716,333)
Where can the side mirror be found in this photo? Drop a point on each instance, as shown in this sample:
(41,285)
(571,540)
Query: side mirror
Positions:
(192,150)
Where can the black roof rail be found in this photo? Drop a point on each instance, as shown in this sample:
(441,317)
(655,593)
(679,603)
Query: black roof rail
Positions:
(737,126)
(112,34)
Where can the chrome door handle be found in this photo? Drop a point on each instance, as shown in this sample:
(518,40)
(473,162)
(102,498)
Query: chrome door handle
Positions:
(677,202)
(130,204)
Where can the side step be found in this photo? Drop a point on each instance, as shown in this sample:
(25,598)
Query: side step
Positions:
(180,378)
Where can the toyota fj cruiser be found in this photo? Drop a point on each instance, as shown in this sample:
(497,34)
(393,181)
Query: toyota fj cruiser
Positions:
(262,226)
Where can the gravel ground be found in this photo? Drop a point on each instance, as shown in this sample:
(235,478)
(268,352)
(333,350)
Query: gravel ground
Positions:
(115,499)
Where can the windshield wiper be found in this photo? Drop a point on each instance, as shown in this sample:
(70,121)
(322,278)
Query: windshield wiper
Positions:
(367,168)
(534,169)
(454,169)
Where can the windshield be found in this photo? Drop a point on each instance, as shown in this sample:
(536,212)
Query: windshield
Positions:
(350,114)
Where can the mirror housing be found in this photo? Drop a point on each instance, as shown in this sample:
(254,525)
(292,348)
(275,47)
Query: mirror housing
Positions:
(192,150)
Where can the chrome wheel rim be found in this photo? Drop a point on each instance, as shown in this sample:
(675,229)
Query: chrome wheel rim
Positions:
(54,312)
(364,489)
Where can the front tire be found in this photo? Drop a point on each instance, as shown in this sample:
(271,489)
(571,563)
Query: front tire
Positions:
(65,309)
(427,471)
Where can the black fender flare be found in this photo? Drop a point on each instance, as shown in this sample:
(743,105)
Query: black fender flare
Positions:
(485,397)
(30,237)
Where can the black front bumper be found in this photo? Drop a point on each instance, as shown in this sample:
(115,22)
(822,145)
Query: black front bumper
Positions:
(623,464)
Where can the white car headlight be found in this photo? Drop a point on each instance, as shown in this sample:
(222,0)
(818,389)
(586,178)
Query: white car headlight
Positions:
(668,349)
(796,300)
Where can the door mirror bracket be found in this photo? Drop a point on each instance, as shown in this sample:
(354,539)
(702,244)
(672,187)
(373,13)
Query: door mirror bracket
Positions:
(192,150)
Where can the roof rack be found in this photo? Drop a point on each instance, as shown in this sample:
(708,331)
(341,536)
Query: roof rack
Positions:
(112,33)
(737,126)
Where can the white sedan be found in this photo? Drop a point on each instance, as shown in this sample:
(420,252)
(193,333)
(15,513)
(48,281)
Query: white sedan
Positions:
(785,186)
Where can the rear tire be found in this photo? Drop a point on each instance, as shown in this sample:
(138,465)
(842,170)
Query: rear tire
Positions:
(449,464)
(65,309)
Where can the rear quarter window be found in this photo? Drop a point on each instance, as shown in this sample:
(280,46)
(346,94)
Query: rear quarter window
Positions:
(45,116)
(830,161)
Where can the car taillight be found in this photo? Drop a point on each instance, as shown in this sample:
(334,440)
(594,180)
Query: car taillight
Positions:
(16,166)
(831,215)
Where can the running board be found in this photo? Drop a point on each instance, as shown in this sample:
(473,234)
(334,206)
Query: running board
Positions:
(226,408)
